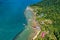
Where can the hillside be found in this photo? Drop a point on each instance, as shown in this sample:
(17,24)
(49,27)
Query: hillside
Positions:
(48,16)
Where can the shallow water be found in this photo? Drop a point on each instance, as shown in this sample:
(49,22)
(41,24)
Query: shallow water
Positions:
(28,29)
(12,17)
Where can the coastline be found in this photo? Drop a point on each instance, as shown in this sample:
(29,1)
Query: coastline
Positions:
(36,29)
(30,33)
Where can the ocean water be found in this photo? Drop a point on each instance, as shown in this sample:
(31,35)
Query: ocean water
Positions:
(12,17)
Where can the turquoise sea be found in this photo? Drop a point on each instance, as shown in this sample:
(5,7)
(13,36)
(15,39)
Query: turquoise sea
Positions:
(12,17)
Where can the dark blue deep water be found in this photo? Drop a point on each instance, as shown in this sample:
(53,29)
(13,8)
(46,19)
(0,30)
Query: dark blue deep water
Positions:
(12,17)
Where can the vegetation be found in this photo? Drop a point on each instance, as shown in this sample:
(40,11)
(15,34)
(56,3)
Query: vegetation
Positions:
(48,16)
